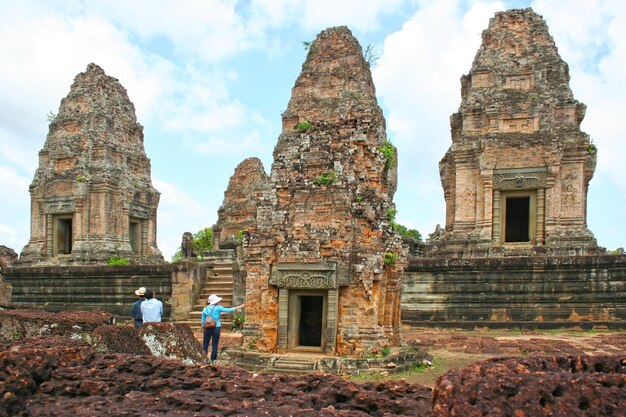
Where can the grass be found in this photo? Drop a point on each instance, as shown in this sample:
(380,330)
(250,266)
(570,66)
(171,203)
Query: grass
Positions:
(425,375)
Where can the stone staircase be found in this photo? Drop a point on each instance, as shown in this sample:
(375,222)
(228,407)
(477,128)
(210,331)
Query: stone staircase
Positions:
(294,365)
(219,280)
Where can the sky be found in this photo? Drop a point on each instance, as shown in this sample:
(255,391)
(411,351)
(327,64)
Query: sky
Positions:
(210,79)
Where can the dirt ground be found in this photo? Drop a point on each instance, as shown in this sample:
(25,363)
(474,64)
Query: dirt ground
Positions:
(458,348)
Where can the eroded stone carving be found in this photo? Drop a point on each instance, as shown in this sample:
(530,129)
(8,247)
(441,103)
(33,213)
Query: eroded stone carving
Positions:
(520,179)
(187,245)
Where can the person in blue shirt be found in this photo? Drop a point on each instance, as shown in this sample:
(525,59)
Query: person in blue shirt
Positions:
(214,310)
(151,309)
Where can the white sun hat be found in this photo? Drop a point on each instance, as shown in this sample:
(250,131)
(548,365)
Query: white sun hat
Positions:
(213,299)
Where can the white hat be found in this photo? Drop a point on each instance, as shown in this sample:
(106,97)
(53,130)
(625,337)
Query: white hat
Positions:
(213,299)
(141,291)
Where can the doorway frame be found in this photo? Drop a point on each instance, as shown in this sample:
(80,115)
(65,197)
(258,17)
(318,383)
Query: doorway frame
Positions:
(293,326)
(57,245)
(532,215)
(325,277)
(519,182)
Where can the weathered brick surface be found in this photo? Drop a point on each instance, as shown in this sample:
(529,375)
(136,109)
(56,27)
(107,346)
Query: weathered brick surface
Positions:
(518,128)
(93,171)
(7,257)
(238,210)
(330,201)
(535,386)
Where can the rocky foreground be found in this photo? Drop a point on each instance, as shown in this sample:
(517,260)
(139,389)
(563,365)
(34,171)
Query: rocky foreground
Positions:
(92,368)
(61,377)
(56,376)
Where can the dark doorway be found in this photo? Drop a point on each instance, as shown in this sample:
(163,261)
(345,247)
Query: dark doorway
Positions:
(517,217)
(311,320)
(134,234)
(64,236)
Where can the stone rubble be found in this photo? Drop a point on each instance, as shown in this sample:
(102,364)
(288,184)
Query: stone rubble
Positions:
(535,386)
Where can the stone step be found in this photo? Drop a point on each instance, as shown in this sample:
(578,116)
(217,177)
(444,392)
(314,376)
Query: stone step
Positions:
(226,299)
(222,276)
(288,364)
(219,279)
(223,288)
(221,291)
(222,279)
(220,267)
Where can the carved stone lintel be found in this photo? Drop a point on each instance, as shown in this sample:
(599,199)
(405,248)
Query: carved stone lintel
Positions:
(305,276)
(520,179)
(60,207)
(139,211)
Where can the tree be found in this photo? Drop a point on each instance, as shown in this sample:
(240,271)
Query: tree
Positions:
(410,233)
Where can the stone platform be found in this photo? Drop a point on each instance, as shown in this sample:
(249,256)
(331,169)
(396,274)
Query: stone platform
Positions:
(298,363)
(528,291)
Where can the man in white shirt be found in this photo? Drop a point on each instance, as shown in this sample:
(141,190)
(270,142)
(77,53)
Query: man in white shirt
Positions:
(151,309)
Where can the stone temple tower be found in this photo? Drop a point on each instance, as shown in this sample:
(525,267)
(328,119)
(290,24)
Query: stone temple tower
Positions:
(92,195)
(238,211)
(516,175)
(323,262)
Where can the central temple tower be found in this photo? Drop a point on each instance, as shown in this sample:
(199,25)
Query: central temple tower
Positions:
(323,261)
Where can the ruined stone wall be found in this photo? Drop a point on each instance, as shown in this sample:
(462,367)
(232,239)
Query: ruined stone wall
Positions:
(517,129)
(328,208)
(559,290)
(238,210)
(106,288)
(187,282)
(92,195)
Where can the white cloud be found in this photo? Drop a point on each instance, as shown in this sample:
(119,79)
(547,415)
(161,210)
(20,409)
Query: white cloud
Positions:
(251,143)
(14,210)
(178,213)
(361,15)
(591,37)
(14,187)
(210,30)
(417,78)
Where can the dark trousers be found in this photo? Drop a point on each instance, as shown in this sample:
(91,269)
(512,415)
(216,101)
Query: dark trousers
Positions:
(138,323)
(209,334)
